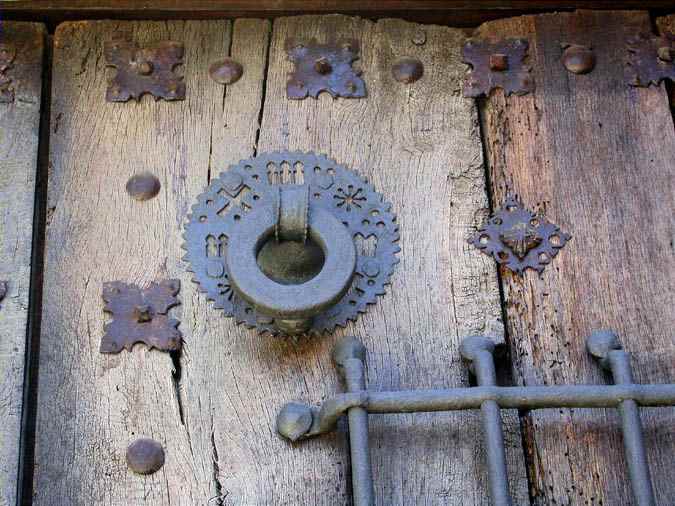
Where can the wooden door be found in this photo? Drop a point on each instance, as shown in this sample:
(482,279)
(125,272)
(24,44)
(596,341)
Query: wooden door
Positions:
(593,153)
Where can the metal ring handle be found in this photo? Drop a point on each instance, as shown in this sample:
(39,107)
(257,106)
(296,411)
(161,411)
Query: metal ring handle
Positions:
(299,301)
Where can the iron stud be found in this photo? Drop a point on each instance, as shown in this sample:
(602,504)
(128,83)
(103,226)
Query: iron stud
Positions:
(226,71)
(145,456)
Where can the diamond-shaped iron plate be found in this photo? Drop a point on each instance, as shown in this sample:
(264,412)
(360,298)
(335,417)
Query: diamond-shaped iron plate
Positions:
(140,316)
(519,239)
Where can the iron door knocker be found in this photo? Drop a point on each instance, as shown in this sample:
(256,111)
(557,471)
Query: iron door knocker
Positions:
(273,242)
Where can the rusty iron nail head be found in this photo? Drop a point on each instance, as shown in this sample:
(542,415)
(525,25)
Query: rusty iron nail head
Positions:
(499,62)
(145,456)
(322,66)
(143,186)
(407,70)
(578,59)
(226,71)
(420,38)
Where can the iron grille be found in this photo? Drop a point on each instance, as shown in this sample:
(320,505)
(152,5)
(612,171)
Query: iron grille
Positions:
(298,421)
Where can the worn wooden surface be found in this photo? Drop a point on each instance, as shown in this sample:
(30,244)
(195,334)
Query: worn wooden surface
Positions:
(598,157)
(19,133)
(92,405)
(430,167)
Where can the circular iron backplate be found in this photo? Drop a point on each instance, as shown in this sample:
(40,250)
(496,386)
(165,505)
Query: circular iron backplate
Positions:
(250,183)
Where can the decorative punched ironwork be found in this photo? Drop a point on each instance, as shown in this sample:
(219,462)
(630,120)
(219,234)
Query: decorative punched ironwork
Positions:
(273,242)
(298,421)
(651,59)
(324,67)
(519,238)
(140,315)
(7,55)
(497,64)
(3,290)
(144,70)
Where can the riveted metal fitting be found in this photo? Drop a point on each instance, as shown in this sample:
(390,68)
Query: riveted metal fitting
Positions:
(496,64)
(140,315)
(519,239)
(142,70)
(324,67)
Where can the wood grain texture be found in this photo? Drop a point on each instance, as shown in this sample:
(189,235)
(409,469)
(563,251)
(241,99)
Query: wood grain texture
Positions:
(419,145)
(597,156)
(19,136)
(91,406)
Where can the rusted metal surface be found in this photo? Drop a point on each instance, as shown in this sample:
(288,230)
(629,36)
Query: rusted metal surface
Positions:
(651,59)
(497,64)
(143,186)
(324,67)
(144,70)
(145,456)
(139,315)
(226,71)
(7,55)
(298,196)
(407,70)
(3,290)
(519,239)
(578,59)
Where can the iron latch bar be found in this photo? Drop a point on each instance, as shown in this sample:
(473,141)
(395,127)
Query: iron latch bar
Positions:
(298,421)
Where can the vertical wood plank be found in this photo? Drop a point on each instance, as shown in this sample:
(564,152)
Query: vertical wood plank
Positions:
(92,405)
(597,156)
(419,145)
(19,136)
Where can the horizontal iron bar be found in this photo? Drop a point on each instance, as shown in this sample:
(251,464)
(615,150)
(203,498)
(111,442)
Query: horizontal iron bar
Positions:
(568,396)
(297,420)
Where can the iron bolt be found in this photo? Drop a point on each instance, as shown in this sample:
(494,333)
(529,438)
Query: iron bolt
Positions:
(499,62)
(407,70)
(144,68)
(226,71)
(578,59)
(322,66)
(142,186)
(145,456)
(143,313)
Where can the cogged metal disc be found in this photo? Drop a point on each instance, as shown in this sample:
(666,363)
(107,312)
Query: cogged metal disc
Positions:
(253,182)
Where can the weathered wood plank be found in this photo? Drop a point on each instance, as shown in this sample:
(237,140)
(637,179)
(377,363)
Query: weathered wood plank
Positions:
(598,157)
(420,146)
(19,136)
(92,405)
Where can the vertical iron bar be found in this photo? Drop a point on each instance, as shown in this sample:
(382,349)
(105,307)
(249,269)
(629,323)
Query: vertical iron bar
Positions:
(349,355)
(479,352)
(605,346)
(636,456)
